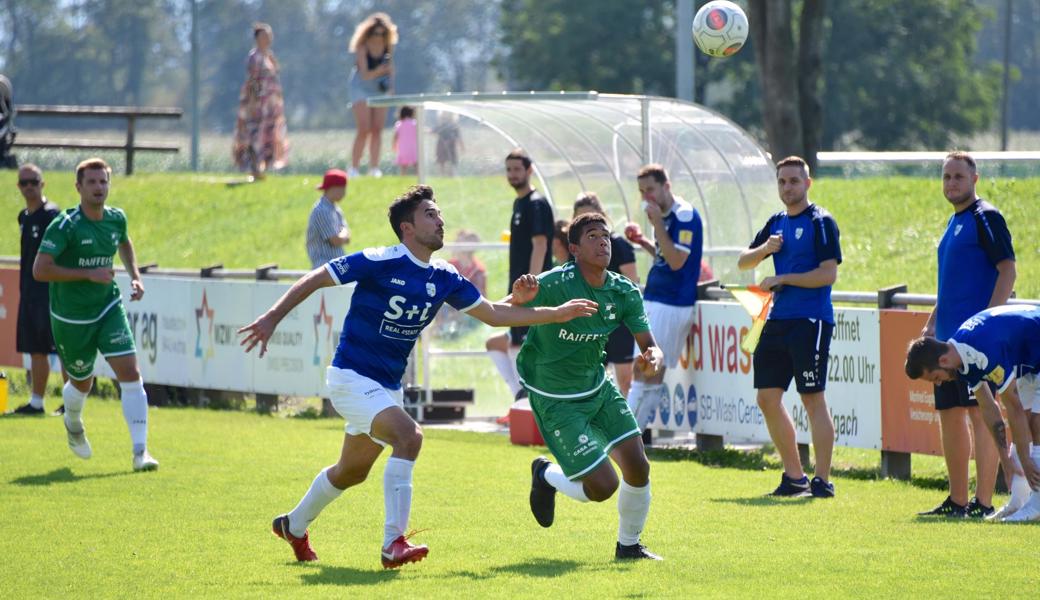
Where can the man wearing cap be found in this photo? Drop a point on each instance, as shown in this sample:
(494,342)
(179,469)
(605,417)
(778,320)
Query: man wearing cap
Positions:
(327,230)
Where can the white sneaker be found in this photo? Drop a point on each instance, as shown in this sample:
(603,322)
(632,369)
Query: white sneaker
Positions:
(145,462)
(1020,493)
(376,172)
(1029,512)
(78,441)
(352,172)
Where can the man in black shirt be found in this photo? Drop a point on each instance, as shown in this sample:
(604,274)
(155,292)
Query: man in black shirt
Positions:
(34,321)
(530,233)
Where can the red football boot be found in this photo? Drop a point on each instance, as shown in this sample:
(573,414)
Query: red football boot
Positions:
(301,546)
(400,552)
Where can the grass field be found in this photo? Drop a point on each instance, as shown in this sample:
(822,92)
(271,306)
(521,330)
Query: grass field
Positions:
(199,527)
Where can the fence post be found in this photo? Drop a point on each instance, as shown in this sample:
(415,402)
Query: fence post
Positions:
(130,124)
(707,442)
(895,465)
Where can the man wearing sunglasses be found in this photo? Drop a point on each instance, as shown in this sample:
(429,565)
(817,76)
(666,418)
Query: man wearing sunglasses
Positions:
(34,322)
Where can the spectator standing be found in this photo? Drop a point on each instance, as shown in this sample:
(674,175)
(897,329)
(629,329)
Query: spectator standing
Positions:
(261,141)
(373,75)
(327,230)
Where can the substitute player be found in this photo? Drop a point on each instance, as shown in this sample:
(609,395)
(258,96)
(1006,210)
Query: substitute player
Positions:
(580,413)
(399,291)
(796,340)
(87,314)
(998,346)
(671,284)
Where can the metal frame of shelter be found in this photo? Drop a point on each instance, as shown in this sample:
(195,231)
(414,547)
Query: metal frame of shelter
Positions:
(588,140)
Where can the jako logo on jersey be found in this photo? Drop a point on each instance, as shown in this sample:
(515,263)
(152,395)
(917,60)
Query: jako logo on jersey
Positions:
(798,233)
(396,281)
(431,289)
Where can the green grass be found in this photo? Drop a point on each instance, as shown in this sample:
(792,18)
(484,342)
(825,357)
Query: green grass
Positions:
(199,526)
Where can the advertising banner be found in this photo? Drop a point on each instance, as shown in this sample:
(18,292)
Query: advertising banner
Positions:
(910,421)
(9,318)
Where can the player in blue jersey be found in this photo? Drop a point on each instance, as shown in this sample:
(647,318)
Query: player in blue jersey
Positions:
(671,284)
(976,262)
(399,291)
(999,346)
(795,343)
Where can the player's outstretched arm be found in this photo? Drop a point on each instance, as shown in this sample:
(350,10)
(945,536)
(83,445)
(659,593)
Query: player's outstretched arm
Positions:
(502,314)
(260,330)
(650,360)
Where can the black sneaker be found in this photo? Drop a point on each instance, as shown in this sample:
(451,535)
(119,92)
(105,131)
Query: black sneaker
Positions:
(59,411)
(792,488)
(543,495)
(29,410)
(948,508)
(821,488)
(978,510)
(634,551)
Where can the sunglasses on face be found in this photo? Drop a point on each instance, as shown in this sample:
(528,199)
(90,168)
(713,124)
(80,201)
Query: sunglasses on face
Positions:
(28,182)
(380,32)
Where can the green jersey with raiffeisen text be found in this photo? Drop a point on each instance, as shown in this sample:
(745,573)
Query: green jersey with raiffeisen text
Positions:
(565,360)
(77,242)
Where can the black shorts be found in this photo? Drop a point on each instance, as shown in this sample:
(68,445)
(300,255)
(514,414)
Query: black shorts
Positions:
(955,394)
(797,348)
(620,346)
(517,335)
(34,327)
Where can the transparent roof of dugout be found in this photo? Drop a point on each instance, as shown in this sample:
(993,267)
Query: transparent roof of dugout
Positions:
(589,141)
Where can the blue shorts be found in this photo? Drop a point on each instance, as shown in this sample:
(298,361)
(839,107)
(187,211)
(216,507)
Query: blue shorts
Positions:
(793,348)
(360,89)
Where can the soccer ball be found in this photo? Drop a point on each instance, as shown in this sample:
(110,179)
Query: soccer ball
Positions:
(720,28)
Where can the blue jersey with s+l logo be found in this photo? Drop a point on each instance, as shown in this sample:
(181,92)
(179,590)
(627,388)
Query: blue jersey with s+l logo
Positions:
(396,297)
(999,344)
(678,287)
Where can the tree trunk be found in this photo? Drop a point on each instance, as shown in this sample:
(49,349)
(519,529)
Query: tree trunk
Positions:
(810,75)
(778,74)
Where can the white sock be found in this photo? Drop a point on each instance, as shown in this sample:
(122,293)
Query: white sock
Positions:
(74,401)
(397,497)
(135,412)
(633,504)
(36,401)
(320,495)
(507,369)
(554,476)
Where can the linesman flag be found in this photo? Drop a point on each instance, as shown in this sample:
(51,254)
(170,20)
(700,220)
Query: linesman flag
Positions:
(757,303)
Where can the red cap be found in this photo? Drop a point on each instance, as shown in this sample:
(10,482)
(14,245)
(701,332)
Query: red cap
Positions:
(333,178)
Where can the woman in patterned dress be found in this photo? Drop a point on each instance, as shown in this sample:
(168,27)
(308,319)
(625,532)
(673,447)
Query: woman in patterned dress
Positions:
(260,133)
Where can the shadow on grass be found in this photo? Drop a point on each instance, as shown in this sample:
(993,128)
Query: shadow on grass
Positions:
(538,567)
(63,475)
(763,459)
(765,501)
(327,574)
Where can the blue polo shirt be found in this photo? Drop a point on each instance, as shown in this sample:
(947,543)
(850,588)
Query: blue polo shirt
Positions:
(678,287)
(998,345)
(975,241)
(810,237)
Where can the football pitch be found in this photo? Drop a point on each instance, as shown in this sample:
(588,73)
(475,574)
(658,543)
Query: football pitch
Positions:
(200,526)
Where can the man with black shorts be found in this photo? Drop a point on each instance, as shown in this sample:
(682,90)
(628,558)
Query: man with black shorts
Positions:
(795,343)
(34,322)
(530,233)
(976,271)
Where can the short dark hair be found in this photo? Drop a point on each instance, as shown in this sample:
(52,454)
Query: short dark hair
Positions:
(521,155)
(793,161)
(583,222)
(923,355)
(962,155)
(402,209)
(259,28)
(588,199)
(560,231)
(407,112)
(653,170)
(91,164)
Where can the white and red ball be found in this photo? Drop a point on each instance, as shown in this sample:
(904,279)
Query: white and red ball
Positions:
(720,28)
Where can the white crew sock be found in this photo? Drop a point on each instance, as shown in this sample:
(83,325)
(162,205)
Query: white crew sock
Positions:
(397,497)
(36,401)
(554,476)
(507,369)
(633,504)
(135,412)
(320,495)
(1020,489)
(74,401)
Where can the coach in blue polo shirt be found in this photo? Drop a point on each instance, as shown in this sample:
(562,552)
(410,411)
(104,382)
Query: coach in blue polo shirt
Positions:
(795,343)
(976,271)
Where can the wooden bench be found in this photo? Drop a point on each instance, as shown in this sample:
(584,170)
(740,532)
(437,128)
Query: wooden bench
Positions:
(130,113)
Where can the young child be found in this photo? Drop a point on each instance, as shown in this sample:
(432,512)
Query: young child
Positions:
(406,141)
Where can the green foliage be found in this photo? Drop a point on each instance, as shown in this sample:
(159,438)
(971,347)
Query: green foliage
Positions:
(609,46)
(200,526)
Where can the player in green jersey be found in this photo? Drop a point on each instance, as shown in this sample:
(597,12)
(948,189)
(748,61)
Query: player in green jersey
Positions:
(87,314)
(580,413)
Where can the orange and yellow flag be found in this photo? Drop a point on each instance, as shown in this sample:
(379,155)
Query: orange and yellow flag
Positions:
(757,303)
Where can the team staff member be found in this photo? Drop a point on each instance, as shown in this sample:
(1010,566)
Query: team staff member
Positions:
(803,241)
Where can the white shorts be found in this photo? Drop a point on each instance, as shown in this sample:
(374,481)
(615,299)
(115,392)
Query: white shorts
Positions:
(670,326)
(359,399)
(1029,392)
